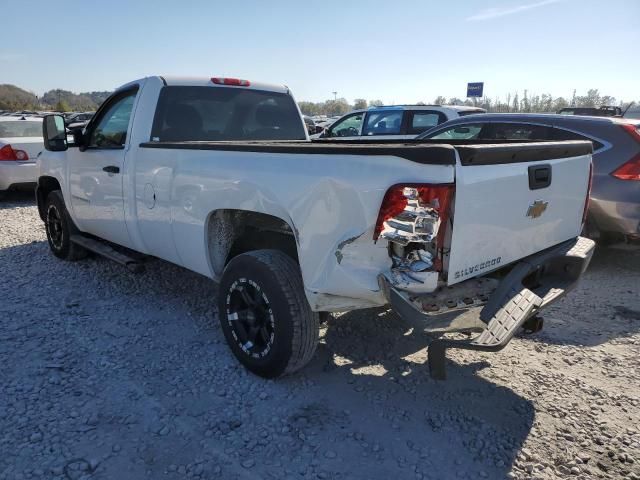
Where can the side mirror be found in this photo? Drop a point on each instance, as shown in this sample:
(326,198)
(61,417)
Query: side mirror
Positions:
(54,133)
(462,130)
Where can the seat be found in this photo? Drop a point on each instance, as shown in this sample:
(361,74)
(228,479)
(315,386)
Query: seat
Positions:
(275,124)
(184,124)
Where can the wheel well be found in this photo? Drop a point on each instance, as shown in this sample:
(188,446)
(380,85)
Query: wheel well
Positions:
(232,232)
(45,186)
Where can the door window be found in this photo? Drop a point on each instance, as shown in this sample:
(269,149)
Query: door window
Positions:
(562,134)
(514,131)
(459,132)
(383,123)
(423,121)
(110,131)
(347,127)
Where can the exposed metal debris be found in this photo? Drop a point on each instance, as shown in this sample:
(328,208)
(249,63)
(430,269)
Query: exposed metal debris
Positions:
(418,222)
(416,226)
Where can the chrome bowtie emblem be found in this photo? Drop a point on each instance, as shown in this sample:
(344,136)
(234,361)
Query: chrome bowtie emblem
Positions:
(537,208)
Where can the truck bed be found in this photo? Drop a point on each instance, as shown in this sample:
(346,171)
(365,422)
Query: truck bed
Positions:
(430,152)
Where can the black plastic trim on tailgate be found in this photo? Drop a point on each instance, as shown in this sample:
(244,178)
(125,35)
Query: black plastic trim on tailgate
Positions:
(416,152)
(524,152)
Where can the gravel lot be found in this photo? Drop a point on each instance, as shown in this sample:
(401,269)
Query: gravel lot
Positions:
(107,374)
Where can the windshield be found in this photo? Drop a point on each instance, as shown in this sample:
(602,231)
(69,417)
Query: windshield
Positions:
(20,128)
(224,113)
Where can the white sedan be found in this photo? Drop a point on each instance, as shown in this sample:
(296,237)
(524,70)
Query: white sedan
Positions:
(20,144)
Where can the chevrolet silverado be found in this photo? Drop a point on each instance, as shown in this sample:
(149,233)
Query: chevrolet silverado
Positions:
(218,175)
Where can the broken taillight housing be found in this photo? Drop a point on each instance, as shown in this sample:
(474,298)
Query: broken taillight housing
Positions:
(414,213)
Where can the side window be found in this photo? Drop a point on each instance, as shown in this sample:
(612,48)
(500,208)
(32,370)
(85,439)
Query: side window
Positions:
(423,121)
(514,131)
(347,127)
(562,134)
(383,123)
(459,132)
(110,131)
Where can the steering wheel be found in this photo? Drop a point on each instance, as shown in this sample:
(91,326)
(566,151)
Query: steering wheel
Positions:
(348,132)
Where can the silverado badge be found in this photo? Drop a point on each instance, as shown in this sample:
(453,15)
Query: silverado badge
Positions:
(537,208)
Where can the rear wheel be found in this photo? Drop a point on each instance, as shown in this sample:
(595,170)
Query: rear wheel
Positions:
(60,227)
(265,315)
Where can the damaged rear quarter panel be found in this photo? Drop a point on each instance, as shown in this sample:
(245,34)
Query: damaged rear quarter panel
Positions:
(330,201)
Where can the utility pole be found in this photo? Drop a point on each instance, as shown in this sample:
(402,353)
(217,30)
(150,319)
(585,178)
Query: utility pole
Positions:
(335,96)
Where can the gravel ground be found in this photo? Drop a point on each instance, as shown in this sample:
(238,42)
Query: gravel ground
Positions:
(107,374)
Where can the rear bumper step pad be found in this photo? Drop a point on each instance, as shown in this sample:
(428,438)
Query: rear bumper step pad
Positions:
(501,328)
(558,270)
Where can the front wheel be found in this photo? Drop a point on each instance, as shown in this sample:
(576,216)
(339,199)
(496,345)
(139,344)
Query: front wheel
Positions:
(264,313)
(60,227)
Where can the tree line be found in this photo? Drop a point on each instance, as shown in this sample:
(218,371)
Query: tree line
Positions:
(15,98)
(545,103)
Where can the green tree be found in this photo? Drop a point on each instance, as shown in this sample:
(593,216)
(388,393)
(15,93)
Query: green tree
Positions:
(62,106)
(559,103)
(359,104)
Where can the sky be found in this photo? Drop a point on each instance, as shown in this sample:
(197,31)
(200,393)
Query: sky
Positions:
(400,51)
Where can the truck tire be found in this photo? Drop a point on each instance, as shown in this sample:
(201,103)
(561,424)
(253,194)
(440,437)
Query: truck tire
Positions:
(60,227)
(264,313)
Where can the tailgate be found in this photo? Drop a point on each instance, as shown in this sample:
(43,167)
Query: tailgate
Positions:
(515,200)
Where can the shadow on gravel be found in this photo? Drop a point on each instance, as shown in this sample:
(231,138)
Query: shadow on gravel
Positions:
(604,307)
(18,198)
(376,366)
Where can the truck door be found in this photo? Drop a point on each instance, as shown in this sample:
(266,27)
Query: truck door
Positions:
(96,173)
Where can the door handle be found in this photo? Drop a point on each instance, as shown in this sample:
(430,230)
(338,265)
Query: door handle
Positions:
(539,176)
(111,169)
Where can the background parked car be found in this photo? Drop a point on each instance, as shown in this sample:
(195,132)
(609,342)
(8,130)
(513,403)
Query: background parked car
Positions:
(393,122)
(633,111)
(603,111)
(311,125)
(20,144)
(614,211)
(78,118)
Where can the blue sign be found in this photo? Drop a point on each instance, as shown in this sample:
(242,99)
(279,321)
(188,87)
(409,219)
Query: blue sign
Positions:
(475,89)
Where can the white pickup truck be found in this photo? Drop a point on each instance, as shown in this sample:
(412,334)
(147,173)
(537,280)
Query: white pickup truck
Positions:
(218,175)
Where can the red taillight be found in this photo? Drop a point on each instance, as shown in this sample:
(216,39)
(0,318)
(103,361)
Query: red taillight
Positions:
(629,170)
(236,82)
(8,153)
(397,199)
(586,200)
(393,203)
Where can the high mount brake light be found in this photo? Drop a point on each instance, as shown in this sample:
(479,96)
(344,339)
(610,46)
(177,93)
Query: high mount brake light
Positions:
(8,153)
(235,82)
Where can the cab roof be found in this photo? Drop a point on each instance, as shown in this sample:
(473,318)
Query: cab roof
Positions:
(207,82)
